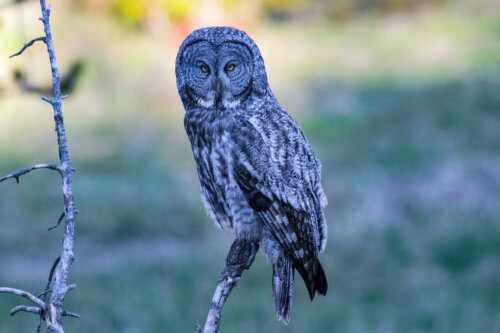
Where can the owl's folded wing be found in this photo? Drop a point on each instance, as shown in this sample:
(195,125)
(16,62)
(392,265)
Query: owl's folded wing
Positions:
(295,230)
(288,206)
(281,165)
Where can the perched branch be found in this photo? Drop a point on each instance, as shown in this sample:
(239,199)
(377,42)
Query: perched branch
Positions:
(222,291)
(19,173)
(240,257)
(28,44)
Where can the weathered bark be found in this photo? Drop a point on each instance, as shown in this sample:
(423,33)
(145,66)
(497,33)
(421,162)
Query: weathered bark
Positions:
(240,257)
(52,312)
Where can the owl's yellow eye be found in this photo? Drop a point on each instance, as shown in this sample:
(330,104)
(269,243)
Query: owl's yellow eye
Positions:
(204,68)
(229,67)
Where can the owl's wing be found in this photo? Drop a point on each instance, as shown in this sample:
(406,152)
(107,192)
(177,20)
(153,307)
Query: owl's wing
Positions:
(276,170)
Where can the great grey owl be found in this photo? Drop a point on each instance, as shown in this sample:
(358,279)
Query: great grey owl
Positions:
(258,173)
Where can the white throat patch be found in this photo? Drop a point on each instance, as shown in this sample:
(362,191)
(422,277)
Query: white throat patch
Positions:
(229,104)
(206,103)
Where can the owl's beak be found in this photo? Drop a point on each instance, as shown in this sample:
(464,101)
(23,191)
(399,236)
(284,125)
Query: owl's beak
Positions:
(217,88)
(217,85)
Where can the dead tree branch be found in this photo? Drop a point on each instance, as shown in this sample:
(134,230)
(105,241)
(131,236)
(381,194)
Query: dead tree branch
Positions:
(24,294)
(58,222)
(240,257)
(25,308)
(19,173)
(52,312)
(28,44)
(42,306)
(44,293)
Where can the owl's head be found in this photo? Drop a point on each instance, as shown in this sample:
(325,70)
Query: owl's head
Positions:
(219,67)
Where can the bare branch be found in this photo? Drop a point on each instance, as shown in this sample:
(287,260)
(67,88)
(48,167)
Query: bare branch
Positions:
(24,294)
(53,311)
(28,44)
(240,257)
(224,287)
(51,274)
(58,222)
(70,314)
(47,290)
(43,293)
(24,308)
(48,100)
(39,311)
(70,287)
(19,173)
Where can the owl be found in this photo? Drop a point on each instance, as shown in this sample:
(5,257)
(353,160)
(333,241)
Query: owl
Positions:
(258,174)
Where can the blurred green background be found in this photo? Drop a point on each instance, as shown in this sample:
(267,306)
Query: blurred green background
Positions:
(399,99)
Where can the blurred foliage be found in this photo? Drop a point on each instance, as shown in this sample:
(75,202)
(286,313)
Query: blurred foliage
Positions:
(178,9)
(403,111)
(285,5)
(130,10)
(136,11)
(347,9)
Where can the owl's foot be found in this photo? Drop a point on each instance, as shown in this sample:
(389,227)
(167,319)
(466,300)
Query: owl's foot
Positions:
(240,257)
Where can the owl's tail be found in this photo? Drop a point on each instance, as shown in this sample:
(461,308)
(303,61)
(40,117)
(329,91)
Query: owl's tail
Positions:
(283,277)
(314,277)
(316,280)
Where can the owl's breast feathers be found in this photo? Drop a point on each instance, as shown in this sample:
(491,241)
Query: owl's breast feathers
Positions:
(268,157)
(206,133)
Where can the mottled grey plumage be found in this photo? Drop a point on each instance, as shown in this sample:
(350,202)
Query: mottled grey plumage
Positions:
(258,173)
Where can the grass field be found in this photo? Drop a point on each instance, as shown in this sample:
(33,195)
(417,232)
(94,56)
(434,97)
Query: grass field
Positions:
(411,167)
